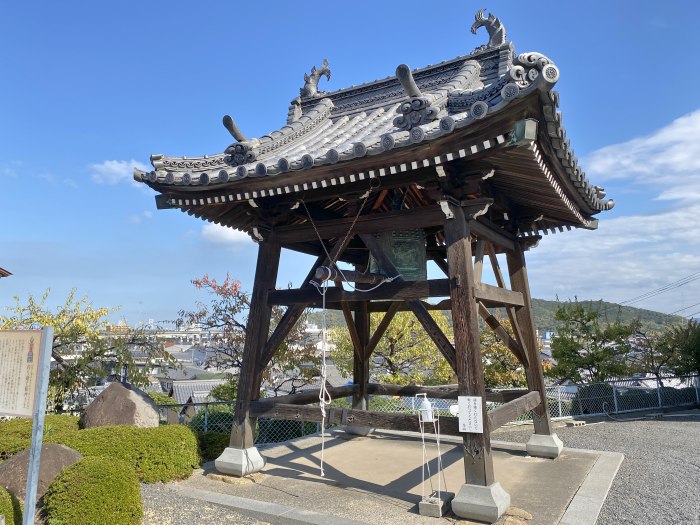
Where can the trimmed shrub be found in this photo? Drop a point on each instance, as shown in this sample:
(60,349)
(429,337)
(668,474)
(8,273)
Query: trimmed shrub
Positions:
(16,434)
(10,507)
(212,444)
(94,491)
(162,453)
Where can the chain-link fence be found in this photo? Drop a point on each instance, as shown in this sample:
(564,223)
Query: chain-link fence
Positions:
(612,397)
(218,417)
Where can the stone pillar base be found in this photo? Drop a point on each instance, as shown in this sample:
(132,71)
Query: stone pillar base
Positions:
(358,431)
(478,503)
(544,446)
(239,462)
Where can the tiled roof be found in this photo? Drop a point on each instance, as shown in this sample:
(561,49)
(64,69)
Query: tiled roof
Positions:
(380,118)
(4,273)
(182,391)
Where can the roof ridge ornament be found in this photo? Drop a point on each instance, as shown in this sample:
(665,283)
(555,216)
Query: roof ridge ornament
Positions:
(310,88)
(494,27)
(418,109)
(230,125)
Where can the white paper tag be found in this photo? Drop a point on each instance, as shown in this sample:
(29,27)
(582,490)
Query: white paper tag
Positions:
(470,414)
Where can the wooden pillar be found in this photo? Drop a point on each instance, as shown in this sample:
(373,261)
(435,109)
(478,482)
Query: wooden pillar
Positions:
(535,378)
(360,371)
(257,331)
(478,462)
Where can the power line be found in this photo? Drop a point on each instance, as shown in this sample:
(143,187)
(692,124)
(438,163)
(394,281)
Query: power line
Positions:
(681,309)
(658,291)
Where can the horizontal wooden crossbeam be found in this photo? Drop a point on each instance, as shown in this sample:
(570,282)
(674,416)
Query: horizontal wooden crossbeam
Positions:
(425,217)
(434,392)
(388,420)
(503,414)
(491,296)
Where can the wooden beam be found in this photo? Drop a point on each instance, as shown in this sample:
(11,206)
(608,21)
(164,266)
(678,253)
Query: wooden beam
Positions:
(478,261)
(360,369)
(440,392)
(478,460)
(349,416)
(295,311)
(424,217)
(487,230)
(257,328)
(308,396)
(503,414)
(503,334)
(382,328)
(533,373)
(433,392)
(396,290)
(421,313)
(501,283)
(493,296)
(389,420)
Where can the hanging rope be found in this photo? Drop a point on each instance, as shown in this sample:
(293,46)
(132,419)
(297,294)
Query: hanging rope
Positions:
(324,397)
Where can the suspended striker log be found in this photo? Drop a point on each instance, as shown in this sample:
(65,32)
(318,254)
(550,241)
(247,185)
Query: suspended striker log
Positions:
(325,273)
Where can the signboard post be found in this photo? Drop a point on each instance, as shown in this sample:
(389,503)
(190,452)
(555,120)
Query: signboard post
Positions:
(25,360)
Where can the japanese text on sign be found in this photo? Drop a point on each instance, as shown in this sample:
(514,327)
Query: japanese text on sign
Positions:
(19,360)
(470,414)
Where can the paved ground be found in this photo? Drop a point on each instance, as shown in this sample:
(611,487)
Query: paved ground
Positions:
(657,483)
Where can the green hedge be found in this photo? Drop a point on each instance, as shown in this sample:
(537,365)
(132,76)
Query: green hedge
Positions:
(212,444)
(10,507)
(156,454)
(16,434)
(94,491)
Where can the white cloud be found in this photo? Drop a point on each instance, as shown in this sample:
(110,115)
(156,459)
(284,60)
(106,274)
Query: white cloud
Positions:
(137,219)
(668,159)
(9,169)
(216,234)
(116,171)
(633,254)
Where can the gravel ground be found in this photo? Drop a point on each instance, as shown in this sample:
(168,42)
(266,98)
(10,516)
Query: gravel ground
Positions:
(162,506)
(659,480)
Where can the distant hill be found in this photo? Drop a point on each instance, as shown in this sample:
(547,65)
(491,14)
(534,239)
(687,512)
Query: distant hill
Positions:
(544,315)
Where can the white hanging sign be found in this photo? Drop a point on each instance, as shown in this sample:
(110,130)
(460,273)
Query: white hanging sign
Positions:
(471,417)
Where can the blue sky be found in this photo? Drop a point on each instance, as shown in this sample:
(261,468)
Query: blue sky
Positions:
(89,90)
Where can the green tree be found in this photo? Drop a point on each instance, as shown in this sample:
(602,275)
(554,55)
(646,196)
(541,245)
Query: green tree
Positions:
(294,364)
(405,354)
(686,338)
(588,349)
(83,348)
(501,367)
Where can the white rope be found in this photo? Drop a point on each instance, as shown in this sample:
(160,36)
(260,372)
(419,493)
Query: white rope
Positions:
(324,397)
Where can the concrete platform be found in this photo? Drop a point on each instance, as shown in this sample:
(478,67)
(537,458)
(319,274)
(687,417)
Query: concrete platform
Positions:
(377,480)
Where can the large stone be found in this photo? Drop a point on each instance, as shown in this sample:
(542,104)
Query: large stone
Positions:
(121,404)
(54,458)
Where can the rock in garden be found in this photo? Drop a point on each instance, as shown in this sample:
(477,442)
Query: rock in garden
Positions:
(54,458)
(121,404)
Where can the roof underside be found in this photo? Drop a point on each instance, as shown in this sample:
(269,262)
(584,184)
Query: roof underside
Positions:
(488,118)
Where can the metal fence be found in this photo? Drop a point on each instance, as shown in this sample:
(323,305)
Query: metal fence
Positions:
(612,397)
